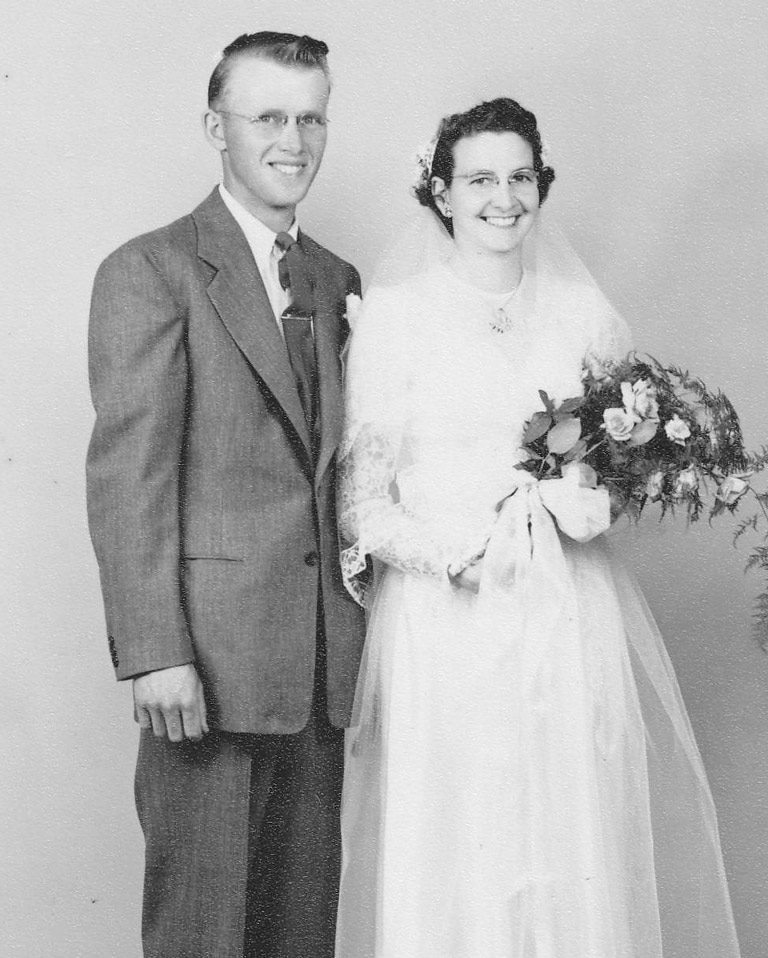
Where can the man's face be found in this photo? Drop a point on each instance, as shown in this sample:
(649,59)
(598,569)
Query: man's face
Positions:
(268,165)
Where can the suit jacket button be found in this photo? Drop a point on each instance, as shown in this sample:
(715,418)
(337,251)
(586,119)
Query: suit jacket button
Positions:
(113,651)
(311,558)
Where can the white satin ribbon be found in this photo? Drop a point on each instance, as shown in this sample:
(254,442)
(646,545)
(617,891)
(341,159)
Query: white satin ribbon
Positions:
(528,601)
(526,532)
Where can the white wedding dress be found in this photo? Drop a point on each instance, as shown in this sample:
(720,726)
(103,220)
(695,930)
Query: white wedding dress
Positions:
(521,780)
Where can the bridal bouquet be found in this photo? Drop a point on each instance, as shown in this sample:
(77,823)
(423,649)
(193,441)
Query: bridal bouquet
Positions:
(652,433)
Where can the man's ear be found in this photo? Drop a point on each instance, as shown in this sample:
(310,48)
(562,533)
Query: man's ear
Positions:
(440,194)
(214,130)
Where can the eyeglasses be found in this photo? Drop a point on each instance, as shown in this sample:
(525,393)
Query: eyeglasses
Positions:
(273,124)
(521,182)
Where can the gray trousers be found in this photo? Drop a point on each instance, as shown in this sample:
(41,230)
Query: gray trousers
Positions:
(242,842)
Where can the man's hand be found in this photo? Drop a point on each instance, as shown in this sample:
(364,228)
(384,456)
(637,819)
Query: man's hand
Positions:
(171,703)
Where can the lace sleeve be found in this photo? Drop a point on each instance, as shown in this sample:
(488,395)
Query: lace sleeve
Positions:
(376,524)
(373,521)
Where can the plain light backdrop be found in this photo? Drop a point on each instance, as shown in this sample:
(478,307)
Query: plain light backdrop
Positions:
(655,116)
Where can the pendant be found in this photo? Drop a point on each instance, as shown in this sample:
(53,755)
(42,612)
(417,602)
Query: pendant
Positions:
(501,321)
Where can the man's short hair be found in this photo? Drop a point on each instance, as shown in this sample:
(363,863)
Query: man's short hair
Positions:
(284,48)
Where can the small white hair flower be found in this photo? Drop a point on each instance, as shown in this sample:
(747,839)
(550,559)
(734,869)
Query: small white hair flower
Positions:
(424,156)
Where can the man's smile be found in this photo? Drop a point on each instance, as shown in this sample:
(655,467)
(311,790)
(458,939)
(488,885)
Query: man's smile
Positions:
(288,169)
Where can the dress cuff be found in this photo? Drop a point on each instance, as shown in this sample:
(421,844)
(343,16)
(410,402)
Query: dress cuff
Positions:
(463,558)
(355,572)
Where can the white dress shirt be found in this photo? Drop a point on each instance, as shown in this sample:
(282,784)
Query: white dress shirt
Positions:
(261,240)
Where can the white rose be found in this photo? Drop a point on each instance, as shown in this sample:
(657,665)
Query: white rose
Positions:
(640,399)
(353,305)
(677,430)
(645,399)
(628,398)
(618,423)
(731,489)
(654,485)
(687,481)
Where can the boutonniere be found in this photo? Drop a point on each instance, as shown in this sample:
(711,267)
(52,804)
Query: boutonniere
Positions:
(352,312)
(353,305)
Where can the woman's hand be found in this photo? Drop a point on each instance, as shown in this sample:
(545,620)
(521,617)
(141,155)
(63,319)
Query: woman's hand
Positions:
(469,577)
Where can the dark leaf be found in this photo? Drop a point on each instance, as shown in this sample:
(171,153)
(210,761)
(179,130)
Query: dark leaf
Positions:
(564,435)
(537,427)
(576,451)
(570,406)
(548,404)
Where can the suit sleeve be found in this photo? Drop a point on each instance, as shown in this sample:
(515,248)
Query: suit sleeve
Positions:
(138,373)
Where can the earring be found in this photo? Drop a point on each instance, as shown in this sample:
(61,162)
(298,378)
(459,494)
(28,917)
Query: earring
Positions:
(447,212)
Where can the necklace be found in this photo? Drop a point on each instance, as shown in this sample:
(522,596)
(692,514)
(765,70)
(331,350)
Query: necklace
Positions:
(501,321)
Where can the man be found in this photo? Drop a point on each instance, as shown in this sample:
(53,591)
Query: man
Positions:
(214,356)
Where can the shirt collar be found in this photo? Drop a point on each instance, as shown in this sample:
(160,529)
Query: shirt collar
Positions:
(260,238)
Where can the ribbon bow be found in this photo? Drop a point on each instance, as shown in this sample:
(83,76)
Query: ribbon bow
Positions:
(526,530)
(579,506)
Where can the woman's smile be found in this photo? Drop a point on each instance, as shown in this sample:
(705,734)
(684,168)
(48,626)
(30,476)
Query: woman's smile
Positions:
(503,222)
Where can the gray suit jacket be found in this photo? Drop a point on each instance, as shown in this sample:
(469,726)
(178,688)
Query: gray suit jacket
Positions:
(213,527)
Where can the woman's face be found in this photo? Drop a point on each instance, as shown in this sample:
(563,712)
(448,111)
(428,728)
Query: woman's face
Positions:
(494,195)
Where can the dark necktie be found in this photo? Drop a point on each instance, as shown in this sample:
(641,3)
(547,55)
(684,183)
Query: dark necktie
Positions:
(294,274)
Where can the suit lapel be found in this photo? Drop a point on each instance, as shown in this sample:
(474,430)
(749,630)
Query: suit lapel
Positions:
(238,296)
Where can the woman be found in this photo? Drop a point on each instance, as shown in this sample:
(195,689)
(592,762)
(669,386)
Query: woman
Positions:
(522,780)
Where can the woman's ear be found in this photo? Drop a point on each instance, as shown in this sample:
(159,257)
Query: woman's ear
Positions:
(440,194)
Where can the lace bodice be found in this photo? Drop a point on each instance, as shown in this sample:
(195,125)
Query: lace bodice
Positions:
(436,402)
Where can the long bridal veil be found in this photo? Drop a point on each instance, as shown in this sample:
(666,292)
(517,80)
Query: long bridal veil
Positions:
(521,779)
